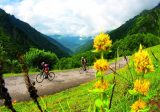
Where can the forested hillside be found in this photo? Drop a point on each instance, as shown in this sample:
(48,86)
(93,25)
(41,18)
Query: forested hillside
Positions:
(140,29)
(17,36)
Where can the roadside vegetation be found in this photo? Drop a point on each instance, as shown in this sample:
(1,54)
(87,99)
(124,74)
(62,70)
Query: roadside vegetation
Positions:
(34,57)
(127,96)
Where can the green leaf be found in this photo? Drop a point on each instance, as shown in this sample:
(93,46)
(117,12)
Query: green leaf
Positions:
(145,110)
(105,95)
(133,92)
(96,109)
(110,51)
(109,89)
(95,51)
(89,108)
(99,74)
(97,90)
(106,102)
(98,103)
(150,95)
(107,110)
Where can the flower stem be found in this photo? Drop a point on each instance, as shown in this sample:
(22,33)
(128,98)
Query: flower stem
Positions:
(102,94)
(120,75)
(102,55)
(125,57)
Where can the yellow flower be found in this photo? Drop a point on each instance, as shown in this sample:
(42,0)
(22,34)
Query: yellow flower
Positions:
(102,42)
(138,105)
(142,86)
(14,102)
(101,85)
(101,65)
(142,61)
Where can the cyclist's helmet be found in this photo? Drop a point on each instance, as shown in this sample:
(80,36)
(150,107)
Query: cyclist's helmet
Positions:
(42,63)
(45,65)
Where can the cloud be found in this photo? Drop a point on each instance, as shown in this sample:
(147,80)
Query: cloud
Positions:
(75,17)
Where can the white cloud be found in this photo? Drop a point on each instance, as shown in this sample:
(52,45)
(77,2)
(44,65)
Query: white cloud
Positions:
(76,17)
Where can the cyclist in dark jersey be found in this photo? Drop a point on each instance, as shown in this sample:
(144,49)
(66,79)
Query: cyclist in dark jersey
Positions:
(45,69)
(84,63)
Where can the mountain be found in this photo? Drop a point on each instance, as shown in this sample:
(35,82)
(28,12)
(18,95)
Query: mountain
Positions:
(53,41)
(85,47)
(71,42)
(18,36)
(147,22)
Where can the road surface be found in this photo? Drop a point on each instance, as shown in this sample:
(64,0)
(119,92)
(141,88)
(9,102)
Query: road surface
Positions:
(63,80)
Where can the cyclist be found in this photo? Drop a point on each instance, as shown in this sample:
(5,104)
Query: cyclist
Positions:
(84,63)
(45,69)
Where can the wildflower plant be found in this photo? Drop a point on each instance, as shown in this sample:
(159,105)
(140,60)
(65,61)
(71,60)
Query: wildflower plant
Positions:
(102,88)
(138,105)
(143,65)
(142,86)
(101,65)
(102,42)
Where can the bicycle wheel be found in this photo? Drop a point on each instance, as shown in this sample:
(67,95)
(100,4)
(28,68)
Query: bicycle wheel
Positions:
(87,69)
(81,70)
(39,78)
(51,76)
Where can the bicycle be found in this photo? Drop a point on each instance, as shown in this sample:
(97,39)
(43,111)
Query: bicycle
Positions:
(82,70)
(42,75)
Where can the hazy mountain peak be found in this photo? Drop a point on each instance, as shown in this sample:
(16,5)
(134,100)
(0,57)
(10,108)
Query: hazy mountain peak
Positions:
(70,41)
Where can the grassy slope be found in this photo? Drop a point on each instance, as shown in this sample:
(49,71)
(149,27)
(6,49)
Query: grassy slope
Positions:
(79,98)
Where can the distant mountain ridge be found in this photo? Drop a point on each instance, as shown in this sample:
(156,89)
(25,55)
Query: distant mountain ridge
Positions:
(148,21)
(18,36)
(85,47)
(71,42)
(54,41)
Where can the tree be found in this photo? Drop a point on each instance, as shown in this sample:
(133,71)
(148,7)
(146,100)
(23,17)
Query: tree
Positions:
(34,57)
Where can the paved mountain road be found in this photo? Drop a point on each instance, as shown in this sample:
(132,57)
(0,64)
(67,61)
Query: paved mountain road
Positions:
(63,80)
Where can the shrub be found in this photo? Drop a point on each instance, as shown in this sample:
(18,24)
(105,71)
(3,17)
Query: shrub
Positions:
(75,60)
(34,57)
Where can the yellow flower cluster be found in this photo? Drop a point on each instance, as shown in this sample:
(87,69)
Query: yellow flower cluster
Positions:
(102,42)
(101,65)
(142,61)
(142,86)
(138,105)
(101,85)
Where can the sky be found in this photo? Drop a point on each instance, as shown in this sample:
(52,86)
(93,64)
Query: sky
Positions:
(76,17)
